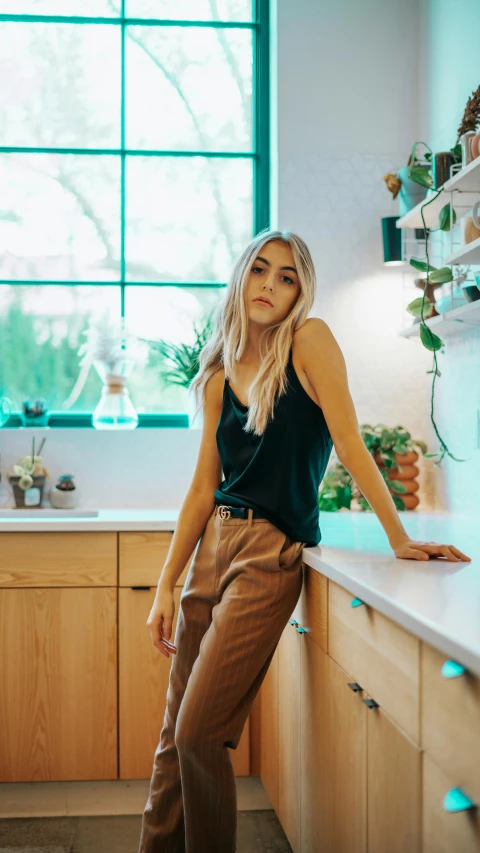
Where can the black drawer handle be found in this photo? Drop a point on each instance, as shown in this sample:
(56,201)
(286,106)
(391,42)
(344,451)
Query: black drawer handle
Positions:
(370,703)
(354,686)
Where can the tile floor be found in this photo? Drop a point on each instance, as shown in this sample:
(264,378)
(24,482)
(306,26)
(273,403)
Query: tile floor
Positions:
(99,817)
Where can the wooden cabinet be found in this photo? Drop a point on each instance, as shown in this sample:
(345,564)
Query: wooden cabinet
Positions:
(313,746)
(58,684)
(349,776)
(289,704)
(143,681)
(451,721)
(73,638)
(332,757)
(269,740)
(58,559)
(383,656)
(445,831)
(394,787)
(141,555)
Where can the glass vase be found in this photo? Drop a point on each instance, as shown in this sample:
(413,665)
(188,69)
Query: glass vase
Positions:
(115,409)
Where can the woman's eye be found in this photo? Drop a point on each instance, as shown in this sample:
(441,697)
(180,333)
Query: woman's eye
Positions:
(288,279)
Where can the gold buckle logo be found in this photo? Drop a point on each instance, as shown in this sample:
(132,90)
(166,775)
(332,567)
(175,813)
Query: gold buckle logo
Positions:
(223,511)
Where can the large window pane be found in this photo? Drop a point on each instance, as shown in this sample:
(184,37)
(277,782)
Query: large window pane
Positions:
(40,333)
(63,85)
(195,10)
(189,88)
(102,8)
(60,217)
(187,218)
(164,313)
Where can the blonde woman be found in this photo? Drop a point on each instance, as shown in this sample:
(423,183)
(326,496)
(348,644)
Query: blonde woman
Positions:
(275,398)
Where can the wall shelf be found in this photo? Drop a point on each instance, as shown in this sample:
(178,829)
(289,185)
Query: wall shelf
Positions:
(466,180)
(468,254)
(451,323)
(413,219)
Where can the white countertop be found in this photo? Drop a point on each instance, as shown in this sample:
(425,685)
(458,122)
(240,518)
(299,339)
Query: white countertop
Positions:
(438,601)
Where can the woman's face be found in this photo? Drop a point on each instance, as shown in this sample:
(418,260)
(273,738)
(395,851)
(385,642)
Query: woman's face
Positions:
(273,277)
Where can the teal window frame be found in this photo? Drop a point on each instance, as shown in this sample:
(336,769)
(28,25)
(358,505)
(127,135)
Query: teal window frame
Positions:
(260,157)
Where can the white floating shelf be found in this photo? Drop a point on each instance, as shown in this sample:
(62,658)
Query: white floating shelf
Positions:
(413,219)
(468,254)
(451,323)
(466,180)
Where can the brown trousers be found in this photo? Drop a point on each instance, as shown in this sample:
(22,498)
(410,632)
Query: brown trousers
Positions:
(242,587)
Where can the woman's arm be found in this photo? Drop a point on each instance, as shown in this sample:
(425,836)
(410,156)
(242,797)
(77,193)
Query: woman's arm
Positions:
(198,503)
(322,360)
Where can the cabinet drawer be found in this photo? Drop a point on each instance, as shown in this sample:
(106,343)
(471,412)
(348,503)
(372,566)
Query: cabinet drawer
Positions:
(142,555)
(445,831)
(312,606)
(380,655)
(58,559)
(451,721)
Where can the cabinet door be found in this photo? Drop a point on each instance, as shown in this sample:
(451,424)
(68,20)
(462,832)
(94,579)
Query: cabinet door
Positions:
(58,690)
(314,737)
(345,805)
(269,730)
(143,682)
(393,787)
(445,831)
(289,649)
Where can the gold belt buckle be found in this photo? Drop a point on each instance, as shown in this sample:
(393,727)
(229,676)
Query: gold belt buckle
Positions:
(223,511)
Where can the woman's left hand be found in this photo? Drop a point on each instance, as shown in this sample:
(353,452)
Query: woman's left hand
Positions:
(410,549)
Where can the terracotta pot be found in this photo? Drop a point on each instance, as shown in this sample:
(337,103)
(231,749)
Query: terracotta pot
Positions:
(475,146)
(407,476)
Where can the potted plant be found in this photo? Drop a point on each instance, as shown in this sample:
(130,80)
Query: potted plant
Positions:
(34,415)
(182,361)
(412,182)
(63,494)
(393,449)
(28,479)
(409,189)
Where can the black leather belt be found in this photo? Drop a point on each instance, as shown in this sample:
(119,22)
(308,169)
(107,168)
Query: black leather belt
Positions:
(225,511)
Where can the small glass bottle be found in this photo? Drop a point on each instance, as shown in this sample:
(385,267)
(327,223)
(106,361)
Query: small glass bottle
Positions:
(115,409)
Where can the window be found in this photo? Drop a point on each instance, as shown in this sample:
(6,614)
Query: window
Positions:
(134,150)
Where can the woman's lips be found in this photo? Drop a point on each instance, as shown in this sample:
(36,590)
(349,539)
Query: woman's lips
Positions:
(263,302)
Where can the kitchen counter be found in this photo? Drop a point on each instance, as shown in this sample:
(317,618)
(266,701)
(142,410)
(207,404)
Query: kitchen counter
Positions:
(438,601)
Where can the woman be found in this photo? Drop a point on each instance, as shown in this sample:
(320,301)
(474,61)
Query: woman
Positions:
(275,394)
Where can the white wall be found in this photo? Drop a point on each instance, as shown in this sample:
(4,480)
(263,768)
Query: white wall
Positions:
(348,105)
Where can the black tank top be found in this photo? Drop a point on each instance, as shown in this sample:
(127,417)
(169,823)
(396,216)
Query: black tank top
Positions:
(279,472)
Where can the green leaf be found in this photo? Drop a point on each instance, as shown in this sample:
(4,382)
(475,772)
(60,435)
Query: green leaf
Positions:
(456,151)
(431,455)
(422,266)
(422,446)
(444,218)
(398,502)
(415,307)
(420,175)
(429,340)
(441,276)
(397,486)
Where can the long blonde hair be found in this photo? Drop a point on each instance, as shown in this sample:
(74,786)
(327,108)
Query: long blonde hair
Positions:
(229,337)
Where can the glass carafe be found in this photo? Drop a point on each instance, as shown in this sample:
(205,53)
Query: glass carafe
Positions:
(115,409)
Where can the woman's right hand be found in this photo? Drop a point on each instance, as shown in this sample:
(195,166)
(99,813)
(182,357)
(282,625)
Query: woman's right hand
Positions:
(160,621)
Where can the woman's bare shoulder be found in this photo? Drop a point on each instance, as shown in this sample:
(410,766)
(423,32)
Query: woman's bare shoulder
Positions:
(314,338)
